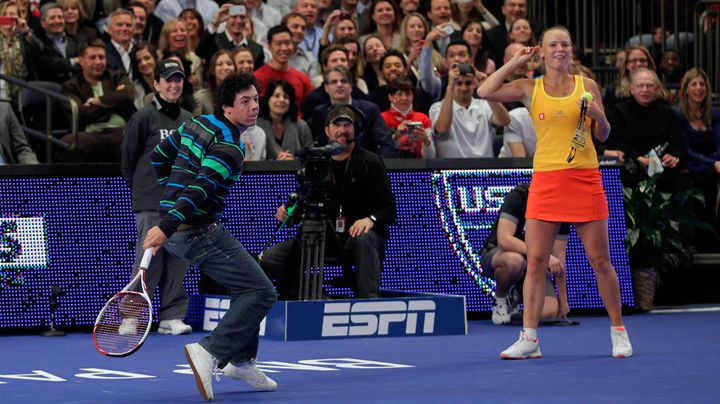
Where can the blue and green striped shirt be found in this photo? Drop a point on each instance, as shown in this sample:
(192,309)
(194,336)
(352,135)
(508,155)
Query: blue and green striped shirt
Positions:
(197,165)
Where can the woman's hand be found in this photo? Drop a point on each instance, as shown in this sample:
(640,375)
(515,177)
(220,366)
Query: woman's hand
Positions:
(523,56)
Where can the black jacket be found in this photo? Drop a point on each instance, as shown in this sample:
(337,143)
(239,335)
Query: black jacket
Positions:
(211,43)
(637,129)
(365,191)
(144,131)
(56,67)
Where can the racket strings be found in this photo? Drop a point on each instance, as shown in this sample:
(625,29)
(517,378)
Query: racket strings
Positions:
(123,324)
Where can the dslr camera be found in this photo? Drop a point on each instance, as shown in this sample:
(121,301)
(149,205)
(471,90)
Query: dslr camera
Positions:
(466,69)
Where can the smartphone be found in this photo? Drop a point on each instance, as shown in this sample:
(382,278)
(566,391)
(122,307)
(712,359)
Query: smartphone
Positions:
(345,16)
(5,20)
(238,10)
(448,29)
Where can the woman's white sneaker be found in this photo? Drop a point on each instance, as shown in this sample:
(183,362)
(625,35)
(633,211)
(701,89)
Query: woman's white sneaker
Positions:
(523,348)
(621,346)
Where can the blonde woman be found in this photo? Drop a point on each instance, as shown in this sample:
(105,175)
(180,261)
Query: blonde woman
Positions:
(554,102)
(175,38)
(413,30)
(76,22)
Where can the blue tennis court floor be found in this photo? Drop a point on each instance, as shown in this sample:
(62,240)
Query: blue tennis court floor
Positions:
(677,359)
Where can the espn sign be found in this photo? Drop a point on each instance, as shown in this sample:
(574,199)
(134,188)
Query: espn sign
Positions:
(366,318)
(396,314)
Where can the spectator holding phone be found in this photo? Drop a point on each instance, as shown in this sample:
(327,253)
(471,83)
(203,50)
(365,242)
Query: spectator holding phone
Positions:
(17,45)
(338,25)
(412,131)
(413,30)
(235,17)
(440,15)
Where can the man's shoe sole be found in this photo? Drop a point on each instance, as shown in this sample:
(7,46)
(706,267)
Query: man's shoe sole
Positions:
(198,380)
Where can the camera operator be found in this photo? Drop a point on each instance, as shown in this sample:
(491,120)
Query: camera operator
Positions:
(359,206)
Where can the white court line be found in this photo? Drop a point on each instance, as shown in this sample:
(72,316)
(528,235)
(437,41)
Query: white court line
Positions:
(687,310)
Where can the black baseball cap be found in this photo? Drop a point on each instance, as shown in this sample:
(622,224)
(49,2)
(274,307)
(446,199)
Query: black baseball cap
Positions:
(167,68)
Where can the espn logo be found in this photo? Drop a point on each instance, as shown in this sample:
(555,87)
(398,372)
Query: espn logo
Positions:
(215,309)
(374,318)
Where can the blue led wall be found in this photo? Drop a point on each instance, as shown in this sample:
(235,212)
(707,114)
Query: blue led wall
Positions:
(443,217)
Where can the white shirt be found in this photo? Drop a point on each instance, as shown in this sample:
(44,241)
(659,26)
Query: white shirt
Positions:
(267,14)
(471,131)
(304,61)
(520,130)
(124,56)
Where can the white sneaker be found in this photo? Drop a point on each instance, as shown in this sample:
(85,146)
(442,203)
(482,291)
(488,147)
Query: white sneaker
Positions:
(128,326)
(204,367)
(174,327)
(523,348)
(249,373)
(621,347)
(502,310)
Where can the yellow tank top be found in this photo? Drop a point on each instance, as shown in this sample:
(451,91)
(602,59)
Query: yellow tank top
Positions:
(555,120)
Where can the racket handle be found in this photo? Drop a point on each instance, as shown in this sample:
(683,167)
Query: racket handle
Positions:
(145,263)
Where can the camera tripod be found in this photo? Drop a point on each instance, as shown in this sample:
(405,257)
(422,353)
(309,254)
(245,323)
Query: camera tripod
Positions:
(312,258)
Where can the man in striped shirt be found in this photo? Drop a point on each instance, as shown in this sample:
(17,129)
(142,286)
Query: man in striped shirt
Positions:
(197,165)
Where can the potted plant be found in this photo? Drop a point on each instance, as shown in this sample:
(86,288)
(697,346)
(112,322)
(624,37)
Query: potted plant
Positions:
(654,241)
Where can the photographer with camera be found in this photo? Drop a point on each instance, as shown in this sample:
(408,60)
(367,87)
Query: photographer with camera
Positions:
(413,130)
(351,190)
(464,126)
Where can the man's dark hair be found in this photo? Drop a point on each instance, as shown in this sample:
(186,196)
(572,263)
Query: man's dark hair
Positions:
(277,30)
(229,89)
(393,52)
(458,42)
(325,55)
(401,83)
(347,39)
(138,4)
(270,87)
(92,43)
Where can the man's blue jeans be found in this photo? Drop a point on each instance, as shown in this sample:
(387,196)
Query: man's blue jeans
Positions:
(223,258)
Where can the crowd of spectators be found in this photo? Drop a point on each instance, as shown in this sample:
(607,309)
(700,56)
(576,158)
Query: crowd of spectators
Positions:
(391,59)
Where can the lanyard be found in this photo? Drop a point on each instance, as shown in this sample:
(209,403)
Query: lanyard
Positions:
(579,140)
(342,188)
(310,47)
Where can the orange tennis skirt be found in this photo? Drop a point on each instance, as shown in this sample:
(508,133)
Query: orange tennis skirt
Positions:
(572,195)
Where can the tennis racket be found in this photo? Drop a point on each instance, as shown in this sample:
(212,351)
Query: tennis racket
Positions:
(123,324)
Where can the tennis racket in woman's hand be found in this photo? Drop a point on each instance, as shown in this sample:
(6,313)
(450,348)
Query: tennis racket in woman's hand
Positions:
(123,324)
